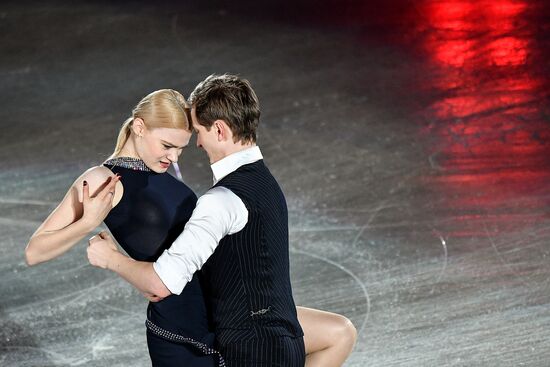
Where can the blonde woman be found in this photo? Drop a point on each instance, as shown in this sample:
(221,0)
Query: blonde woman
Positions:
(145,208)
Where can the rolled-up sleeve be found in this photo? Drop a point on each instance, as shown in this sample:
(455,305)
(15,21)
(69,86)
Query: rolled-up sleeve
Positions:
(218,213)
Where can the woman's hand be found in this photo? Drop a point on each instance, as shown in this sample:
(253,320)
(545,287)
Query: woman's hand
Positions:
(96,208)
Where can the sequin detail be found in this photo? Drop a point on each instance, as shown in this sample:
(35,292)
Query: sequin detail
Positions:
(173,337)
(128,162)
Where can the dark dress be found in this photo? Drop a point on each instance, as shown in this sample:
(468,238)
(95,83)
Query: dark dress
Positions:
(151,214)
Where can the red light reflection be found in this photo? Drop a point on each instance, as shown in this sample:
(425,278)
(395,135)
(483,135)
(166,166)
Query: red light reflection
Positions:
(493,139)
(508,51)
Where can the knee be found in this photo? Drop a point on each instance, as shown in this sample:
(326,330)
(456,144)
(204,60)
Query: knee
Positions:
(347,332)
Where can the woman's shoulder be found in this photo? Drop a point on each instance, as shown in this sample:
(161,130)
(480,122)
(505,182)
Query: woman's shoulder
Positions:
(96,177)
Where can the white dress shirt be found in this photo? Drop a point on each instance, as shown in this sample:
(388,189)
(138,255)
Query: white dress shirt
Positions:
(219,212)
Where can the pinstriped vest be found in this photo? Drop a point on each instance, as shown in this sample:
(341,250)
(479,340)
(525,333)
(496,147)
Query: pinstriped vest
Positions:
(248,283)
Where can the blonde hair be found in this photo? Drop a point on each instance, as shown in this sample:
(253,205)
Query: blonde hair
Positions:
(162,108)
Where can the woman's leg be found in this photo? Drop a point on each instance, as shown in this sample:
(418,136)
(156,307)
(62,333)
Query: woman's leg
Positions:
(328,337)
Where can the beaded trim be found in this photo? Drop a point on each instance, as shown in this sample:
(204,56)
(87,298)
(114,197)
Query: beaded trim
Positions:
(128,162)
(173,337)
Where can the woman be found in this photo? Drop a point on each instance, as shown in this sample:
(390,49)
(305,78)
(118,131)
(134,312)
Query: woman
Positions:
(149,210)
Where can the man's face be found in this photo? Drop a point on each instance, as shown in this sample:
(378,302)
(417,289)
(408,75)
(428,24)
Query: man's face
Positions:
(206,140)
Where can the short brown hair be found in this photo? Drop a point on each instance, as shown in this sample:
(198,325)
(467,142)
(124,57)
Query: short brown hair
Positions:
(231,99)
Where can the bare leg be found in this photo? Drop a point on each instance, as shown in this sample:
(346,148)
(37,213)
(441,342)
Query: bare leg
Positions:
(328,337)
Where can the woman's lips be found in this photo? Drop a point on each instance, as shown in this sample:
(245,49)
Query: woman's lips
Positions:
(164,164)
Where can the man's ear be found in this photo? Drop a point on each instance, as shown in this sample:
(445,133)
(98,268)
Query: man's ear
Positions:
(223,131)
(138,126)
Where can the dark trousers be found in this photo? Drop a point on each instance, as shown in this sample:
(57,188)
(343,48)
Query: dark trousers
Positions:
(283,351)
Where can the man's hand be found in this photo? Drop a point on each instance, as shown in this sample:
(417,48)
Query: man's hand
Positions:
(103,253)
(101,250)
(152,297)
(96,208)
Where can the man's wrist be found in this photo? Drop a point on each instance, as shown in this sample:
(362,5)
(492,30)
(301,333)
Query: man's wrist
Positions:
(115,261)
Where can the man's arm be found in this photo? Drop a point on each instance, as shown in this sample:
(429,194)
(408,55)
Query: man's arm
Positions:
(103,253)
(218,213)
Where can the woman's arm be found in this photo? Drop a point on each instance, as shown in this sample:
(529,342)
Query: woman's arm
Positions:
(76,215)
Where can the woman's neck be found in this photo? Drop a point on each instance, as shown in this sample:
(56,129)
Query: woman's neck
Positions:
(128,150)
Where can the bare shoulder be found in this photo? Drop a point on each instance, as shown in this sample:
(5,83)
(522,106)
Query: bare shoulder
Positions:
(97,177)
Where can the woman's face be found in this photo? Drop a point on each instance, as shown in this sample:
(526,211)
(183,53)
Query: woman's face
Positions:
(160,147)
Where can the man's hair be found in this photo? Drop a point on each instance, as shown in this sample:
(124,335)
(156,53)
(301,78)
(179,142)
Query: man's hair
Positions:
(231,99)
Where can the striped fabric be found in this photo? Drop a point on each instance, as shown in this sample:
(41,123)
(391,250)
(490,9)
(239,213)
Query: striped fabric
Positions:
(282,351)
(248,281)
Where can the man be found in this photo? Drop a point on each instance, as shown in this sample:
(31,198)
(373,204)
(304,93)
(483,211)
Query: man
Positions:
(238,235)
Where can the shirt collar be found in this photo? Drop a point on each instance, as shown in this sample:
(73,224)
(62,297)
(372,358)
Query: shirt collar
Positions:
(232,162)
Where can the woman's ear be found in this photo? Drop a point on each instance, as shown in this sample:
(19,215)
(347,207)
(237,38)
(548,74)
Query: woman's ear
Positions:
(138,126)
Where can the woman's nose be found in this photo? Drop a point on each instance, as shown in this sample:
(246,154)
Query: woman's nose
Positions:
(173,156)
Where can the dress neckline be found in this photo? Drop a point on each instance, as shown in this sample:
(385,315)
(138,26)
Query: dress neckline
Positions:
(135,164)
